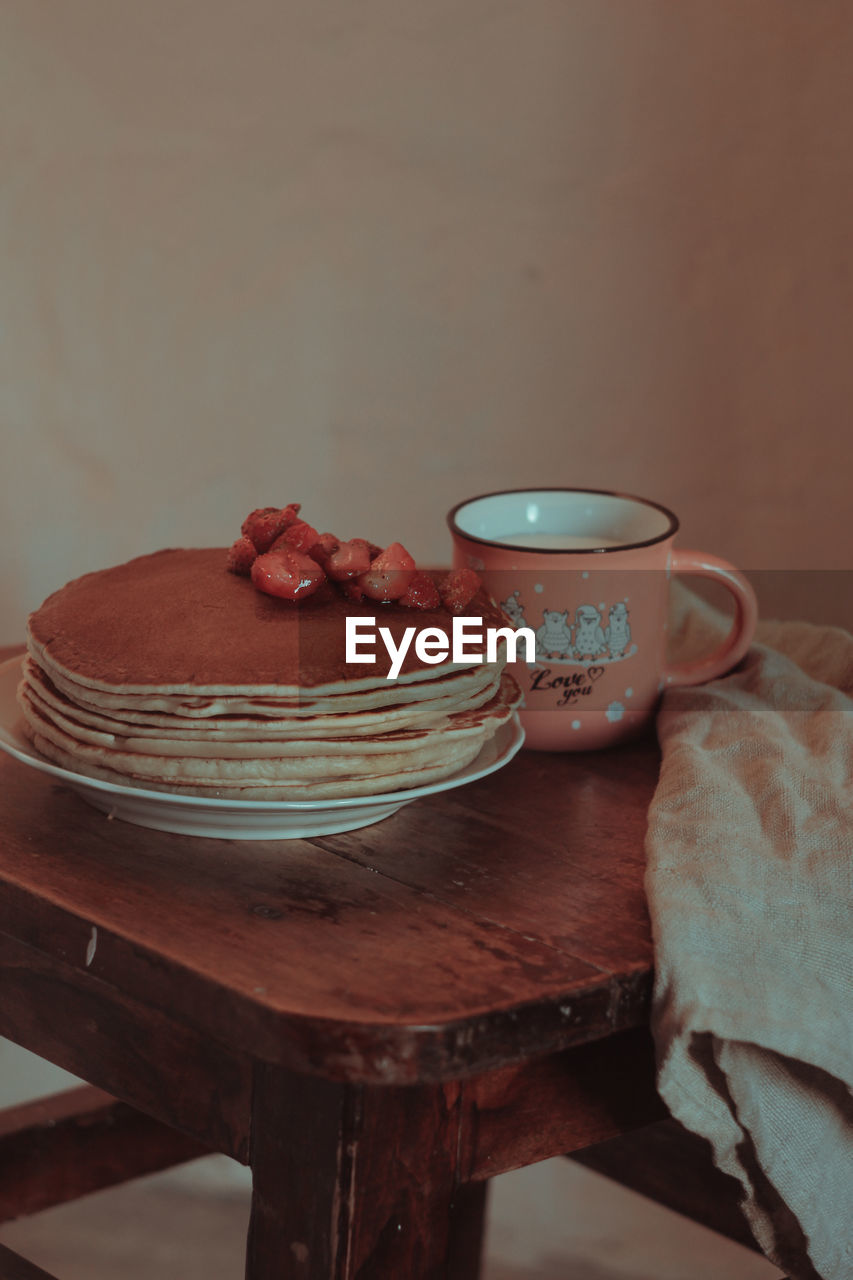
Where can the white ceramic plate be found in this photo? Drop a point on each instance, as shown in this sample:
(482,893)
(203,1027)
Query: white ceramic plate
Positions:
(237,819)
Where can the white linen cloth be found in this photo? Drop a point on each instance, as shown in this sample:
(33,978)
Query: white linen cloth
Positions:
(750,888)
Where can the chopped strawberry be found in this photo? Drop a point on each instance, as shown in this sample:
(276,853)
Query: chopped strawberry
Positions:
(389,574)
(351,590)
(458,589)
(349,560)
(421,593)
(287,573)
(286,557)
(325,547)
(242,556)
(300,535)
(265,524)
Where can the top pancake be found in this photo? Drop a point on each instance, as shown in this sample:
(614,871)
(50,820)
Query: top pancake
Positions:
(177,621)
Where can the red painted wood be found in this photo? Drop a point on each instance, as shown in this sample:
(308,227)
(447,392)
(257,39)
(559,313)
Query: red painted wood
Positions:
(58,1148)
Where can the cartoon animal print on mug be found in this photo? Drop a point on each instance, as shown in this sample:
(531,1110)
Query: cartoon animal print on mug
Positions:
(589,637)
(617,633)
(554,637)
(514,609)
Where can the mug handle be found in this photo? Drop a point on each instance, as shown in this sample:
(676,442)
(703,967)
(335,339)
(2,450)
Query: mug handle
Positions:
(730,651)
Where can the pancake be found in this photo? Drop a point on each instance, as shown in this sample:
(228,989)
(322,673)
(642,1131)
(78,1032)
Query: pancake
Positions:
(177,622)
(291,720)
(171,673)
(368,767)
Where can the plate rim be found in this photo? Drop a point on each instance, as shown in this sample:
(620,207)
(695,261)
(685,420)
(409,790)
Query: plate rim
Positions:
(27,755)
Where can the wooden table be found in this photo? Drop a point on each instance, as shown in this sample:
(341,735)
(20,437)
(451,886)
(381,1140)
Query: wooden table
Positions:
(377,1022)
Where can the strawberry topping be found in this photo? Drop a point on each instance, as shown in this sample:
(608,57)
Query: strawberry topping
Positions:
(286,557)
(351,590)
(265,524)
(325,546)
(421,593)
(242,556)
(389,574)
(458,589)
(349,560)
(287,573)
(300,535)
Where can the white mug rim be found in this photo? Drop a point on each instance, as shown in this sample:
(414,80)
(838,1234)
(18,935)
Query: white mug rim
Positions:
(669,532)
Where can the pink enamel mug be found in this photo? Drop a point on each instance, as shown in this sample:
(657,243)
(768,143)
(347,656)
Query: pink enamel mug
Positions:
(587,572)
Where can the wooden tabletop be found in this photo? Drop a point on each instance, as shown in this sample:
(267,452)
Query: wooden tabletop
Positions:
(474,928)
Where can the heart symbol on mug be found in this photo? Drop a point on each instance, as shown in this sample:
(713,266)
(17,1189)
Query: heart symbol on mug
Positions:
(594,673)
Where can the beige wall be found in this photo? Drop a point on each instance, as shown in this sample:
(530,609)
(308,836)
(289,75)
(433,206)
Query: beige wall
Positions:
(380,256)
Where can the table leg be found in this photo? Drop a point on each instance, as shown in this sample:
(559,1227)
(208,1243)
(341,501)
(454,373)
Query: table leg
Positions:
(359,1183)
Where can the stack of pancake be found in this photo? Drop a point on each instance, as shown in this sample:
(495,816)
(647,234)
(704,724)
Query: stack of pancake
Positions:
(172,674)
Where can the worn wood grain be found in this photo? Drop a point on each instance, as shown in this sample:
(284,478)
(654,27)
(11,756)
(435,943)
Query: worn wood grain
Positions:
(359,1183)
(395,988)
(674,1167)
(551,1106)
(309,957)
(120,1045)
(58,1148)
(551,846)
